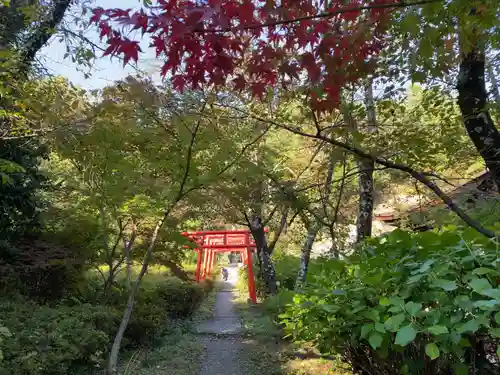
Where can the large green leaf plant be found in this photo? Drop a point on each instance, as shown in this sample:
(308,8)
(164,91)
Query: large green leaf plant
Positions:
(407,303)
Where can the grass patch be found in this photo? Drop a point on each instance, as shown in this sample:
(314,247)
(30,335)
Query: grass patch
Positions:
(256,323)
(315,366)
(206,310)
(178,354)
(178,351)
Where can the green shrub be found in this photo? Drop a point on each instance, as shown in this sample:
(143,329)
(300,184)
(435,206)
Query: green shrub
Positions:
(207,285)
(275,305)
(180,299)
(425,303)
(53,339)
(154,305)
(39,269)
(39,340)
(175,297)
(287,268)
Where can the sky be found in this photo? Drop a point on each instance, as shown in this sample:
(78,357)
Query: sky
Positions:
(105,70)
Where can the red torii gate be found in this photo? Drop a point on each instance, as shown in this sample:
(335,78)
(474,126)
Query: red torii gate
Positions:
(216,241)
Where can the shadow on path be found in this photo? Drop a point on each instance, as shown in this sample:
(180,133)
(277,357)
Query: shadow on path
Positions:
(229,350)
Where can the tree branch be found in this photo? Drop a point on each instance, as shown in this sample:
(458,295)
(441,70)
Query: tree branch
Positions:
(402,4)
(194,133)
(44,32)
(280,230)
(420,176)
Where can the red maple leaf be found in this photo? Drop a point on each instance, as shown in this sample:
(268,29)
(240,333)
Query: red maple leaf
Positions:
(179,83)
(239,83)
(258,89)
(130,50)
(97,13)
(105,30)
(221,42)
(139,20)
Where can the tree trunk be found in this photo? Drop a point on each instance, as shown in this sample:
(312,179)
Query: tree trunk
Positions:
(128,265)
(268,271)
(315,226)
(365,205)
(305,254)
(365,176)
(115,349)
(472,99)
(365,168)
(127,249)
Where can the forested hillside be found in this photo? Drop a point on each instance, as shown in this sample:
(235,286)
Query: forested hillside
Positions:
(362,134)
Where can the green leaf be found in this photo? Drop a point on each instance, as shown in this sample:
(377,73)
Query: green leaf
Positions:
(384,301)
(464,342)
(375,340)
(424,267)
(415,278)
(461,369)
(413,308)
(497,317)
(447,285)
(395,309)
(492,292)
(329,308)
(498,351)
(457,317)
(432,350)
(495,332)
(464,302)
(396,301)
(410,23)
(4,331)
(437,330)
(483,271)
(478,285)
(338,292)
(392,324)
(379,327)
(470,326)
(405,335)
(366,329)
(372,315)
(486,304)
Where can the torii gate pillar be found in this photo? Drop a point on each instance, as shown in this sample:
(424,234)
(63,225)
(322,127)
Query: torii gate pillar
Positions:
(211,242)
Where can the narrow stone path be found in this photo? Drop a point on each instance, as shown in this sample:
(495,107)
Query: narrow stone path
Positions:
(221,334)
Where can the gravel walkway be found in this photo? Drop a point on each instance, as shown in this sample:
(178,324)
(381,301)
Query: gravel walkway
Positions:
(222,341)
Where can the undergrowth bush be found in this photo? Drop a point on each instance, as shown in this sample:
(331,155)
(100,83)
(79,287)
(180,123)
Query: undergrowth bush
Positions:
(275,305)
(424,303)
(41,339)
(38,340)
(40,270)
(286,267)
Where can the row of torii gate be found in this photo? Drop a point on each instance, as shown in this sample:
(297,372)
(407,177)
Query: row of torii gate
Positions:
(209,243)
